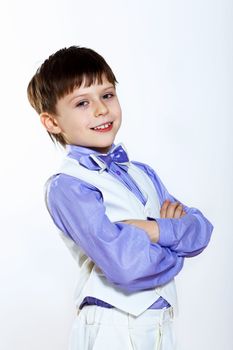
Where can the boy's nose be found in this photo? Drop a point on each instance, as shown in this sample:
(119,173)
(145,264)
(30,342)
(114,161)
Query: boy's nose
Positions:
(100,109)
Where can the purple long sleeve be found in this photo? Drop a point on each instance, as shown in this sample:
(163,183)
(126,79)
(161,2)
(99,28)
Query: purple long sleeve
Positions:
(188,235)
(123,252)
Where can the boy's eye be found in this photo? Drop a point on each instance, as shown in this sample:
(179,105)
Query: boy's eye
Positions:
(108,95)
(82,104)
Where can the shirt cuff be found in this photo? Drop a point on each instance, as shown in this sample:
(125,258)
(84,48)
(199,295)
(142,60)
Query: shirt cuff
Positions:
(166,234)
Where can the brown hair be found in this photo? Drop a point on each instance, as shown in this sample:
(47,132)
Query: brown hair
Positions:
(63,71)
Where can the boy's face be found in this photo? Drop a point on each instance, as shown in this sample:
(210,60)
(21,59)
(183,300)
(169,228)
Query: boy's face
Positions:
(86,108)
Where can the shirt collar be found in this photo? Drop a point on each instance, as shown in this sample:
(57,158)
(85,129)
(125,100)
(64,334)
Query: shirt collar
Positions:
(81,154)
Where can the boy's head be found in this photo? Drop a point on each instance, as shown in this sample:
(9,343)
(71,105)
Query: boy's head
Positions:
(74,92)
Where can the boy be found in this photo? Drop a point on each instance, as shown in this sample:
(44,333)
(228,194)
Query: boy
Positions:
(127,233)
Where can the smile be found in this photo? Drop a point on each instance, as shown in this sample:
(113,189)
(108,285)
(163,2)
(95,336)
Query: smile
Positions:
(103,127)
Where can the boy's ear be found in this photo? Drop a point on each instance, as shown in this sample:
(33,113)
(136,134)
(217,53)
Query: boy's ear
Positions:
(50,123)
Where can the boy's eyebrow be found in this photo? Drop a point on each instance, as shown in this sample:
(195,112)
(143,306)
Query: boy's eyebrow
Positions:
(80,95)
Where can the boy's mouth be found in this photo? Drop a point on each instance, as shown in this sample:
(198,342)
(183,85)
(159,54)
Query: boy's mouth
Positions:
(103,127)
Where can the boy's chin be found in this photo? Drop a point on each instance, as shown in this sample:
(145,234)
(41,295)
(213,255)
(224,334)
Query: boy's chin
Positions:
(102,149)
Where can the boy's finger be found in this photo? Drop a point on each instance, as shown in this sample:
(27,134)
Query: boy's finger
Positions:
(171,209)
(178,211)
(163,209)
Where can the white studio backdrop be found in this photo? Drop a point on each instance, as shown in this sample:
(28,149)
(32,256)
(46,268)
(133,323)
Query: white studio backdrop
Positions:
(173,61)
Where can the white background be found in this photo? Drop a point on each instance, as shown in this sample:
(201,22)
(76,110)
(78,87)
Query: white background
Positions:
(173,61)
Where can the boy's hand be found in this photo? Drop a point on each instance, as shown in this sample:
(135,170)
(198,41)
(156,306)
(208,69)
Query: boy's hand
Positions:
(171,210)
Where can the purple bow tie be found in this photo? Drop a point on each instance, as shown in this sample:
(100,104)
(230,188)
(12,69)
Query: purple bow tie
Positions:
(118,155)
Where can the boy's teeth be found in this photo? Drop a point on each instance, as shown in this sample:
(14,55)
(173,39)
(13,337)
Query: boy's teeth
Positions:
(102,126)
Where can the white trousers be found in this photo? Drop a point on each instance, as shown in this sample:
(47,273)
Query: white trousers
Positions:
(99,328)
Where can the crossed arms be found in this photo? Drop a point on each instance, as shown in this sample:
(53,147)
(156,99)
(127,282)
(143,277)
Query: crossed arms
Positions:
(124,252)
(168,210)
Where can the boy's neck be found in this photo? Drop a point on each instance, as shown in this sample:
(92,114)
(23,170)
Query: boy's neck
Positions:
(103,150)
